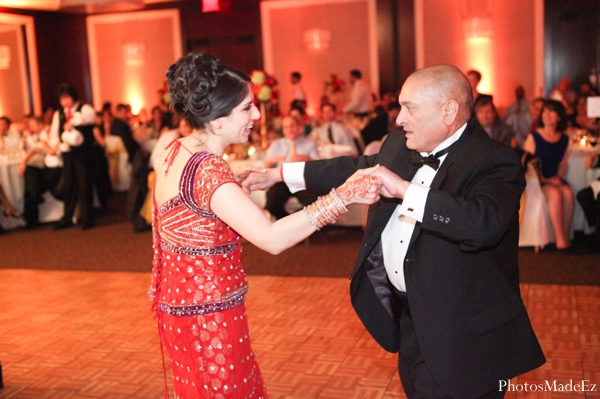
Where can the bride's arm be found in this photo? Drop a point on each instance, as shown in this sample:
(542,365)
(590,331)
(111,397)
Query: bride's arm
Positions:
(233,206)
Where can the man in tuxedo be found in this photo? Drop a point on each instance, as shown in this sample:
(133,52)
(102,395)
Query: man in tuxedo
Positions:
(437,274)
(74,124)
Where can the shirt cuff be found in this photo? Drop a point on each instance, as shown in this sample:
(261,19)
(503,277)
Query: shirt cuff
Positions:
(413,205)
(293,176)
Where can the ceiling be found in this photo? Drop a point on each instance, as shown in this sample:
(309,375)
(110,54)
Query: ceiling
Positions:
(79,6)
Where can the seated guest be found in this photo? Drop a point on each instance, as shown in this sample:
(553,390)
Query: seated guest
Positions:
(10,142)
(120,127)
(165,138)
(550,144)
(382,124)
(306,122)
(293,147)
(535,111)
(4,126)
(8,209)
(589,199)
(580,119)
(32,166)
(333,132)
(143,220)
(486,114)
(517,116)
(474,77)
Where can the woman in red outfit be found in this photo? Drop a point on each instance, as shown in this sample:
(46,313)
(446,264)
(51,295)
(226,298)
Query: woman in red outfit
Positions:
(199,283)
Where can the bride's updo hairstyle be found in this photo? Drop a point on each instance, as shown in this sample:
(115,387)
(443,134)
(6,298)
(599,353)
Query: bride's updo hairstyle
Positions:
(203,89)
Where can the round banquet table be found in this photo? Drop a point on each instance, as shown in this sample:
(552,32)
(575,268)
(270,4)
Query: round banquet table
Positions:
(579,178)
(14,188)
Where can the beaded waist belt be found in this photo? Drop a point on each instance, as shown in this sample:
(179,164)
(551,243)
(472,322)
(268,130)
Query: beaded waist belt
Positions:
(223,249)
(230,301)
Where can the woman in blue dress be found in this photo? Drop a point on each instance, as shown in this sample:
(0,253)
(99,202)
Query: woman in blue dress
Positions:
(550,144)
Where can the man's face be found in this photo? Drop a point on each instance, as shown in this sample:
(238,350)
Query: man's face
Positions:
(291,128)
(421,115)
(34,126)
(328,114)
(473,81)
(185,129)
(535,109)
(66,101)
(3,126)
(121,114)
(486,115)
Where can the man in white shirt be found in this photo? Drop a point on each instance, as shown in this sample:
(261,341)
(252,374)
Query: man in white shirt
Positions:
(293,147)
(437,274)
(74,124)
(298,93)
(361,98)
(39,167)
(332,132)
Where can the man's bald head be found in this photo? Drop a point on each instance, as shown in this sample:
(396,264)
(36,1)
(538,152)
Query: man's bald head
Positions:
(446,82)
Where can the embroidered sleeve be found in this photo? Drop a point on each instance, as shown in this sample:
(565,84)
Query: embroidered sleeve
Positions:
(204,173)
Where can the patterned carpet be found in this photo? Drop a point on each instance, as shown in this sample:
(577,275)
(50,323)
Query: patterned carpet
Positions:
(331,252)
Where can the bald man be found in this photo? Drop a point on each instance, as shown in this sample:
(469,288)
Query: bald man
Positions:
(437,275)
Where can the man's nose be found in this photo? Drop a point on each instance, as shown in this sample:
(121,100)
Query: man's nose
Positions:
(400,119)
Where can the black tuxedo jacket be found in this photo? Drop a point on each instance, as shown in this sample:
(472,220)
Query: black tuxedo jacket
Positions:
(461,268)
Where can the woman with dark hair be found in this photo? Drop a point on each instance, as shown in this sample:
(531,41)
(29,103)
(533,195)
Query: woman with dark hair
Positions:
(199,283)
(550,144)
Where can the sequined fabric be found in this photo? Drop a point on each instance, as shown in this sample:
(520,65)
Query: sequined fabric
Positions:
(198,290)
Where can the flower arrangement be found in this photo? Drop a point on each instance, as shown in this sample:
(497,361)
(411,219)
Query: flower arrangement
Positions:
(333,84)
(163,92)
(265,86)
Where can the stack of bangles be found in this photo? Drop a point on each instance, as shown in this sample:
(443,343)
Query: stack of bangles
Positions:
(325,210)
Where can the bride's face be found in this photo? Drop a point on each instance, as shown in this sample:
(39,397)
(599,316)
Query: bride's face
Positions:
(238,125)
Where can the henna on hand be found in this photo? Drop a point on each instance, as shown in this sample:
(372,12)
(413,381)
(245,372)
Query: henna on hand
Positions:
(357,188)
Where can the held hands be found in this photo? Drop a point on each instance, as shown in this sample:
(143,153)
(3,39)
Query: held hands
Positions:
(255,178)
(392,185)
(363,187)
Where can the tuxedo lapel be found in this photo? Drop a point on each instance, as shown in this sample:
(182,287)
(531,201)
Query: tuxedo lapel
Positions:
(442,173)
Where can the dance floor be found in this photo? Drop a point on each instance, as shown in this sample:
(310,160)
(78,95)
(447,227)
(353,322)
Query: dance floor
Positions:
(77,334)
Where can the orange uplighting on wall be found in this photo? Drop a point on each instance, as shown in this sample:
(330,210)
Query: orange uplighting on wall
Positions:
(480,57)
(317,40)
(134,53)
(133,92)
(4,57)
(211,6)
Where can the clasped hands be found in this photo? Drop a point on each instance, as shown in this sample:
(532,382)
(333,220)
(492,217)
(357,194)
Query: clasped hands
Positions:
(365,186)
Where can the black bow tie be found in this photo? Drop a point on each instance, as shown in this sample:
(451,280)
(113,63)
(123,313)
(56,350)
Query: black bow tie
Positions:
(432,160)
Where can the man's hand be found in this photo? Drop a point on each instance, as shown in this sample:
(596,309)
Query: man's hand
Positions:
(259,178)
(362,187)
(393,185)
(22,167)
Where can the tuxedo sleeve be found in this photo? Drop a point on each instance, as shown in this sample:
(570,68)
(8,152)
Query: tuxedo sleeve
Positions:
(480,215)
(323,175)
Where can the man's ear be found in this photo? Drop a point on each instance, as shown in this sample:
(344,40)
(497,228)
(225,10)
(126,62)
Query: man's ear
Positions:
(450,110)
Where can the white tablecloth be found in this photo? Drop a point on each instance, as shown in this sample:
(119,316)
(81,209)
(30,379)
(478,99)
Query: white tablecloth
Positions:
(14,188)
(578,178)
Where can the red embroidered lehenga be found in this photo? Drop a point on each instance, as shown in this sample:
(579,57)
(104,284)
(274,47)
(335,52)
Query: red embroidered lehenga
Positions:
(198,289)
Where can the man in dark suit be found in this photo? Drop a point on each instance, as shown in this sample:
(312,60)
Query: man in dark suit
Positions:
(487,116)
(120,127)
(437,275)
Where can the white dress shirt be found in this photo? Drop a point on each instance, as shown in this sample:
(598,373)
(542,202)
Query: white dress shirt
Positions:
(396,236)
(361,100)
(85,116)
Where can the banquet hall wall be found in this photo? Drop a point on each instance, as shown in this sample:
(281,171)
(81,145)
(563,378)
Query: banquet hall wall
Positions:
(411,33)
